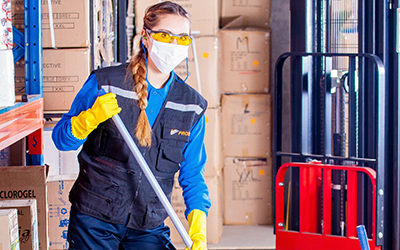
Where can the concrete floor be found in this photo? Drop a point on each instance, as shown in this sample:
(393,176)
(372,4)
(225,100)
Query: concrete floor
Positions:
(244,237)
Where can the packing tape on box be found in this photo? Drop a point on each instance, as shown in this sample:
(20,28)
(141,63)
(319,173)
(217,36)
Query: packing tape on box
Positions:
(7,86)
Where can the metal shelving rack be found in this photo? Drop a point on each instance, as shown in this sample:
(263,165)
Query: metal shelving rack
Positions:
(25,119)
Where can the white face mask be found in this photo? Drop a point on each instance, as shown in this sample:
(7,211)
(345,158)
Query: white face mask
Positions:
(166,56)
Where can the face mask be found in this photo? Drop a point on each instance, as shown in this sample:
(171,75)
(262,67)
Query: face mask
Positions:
(166,56)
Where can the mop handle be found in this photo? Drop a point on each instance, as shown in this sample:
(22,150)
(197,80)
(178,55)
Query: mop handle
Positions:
(362,237)
(150,177)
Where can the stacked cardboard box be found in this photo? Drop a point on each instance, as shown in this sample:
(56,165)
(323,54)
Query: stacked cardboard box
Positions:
(9,239)
(246,120)
(58,188)
(248,189)
(66,68)
(28,183)
(60,162)
(246,111)
(204,76)
(70,22)
(64,72)
(254,13)
(27,221)
(245,60)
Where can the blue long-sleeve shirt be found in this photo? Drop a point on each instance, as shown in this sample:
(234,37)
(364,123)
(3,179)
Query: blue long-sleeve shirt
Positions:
(191,175)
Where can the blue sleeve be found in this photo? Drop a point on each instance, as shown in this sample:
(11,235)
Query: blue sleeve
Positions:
(62,135)
(191,175)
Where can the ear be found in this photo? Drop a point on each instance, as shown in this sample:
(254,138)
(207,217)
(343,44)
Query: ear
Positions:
(143,34)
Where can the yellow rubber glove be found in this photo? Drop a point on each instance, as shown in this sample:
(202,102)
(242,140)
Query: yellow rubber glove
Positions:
(197,229)
(103,108)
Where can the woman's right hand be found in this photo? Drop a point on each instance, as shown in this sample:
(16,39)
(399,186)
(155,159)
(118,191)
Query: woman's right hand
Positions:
(104,107)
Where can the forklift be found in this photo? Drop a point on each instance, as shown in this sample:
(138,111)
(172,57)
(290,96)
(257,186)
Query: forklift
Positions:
(336,127)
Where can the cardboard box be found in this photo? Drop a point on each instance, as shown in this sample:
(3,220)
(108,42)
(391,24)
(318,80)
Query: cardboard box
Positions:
(245,60)
(27,221)
(247,191)
(203,14)
(18,153)
(60,162)
(58,188)
(64,73)
(207,59)
(6,34)
(214,219)
(256,13)
(246,125)
(70,21)
(213,142)
(9,234)
(27,183)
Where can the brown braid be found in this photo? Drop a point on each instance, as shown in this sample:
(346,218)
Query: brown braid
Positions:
(137,67)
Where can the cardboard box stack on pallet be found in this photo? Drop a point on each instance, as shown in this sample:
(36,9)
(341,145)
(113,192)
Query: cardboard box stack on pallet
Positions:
(246,112)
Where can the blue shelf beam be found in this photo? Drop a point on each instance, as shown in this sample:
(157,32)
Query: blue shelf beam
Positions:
(33,47)
(34,70)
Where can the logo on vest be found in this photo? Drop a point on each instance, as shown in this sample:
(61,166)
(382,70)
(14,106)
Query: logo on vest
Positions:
(174,131)
(177,131)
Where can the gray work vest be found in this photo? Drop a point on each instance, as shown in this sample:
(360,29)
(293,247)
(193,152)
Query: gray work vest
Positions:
(111,185)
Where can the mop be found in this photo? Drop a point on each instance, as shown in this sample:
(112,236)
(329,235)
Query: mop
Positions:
(150,177)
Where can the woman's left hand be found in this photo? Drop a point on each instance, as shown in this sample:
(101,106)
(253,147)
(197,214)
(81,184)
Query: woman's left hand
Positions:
(197,229)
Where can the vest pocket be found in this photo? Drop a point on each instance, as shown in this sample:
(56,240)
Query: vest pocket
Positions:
(169,159)
(155,215)
(96,194)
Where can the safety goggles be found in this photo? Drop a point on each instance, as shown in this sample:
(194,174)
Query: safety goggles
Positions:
(166,37)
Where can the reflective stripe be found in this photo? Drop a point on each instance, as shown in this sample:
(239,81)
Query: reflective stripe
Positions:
(184,107)
(121,92)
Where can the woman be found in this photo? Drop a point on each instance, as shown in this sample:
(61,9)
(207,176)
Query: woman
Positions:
(113,204)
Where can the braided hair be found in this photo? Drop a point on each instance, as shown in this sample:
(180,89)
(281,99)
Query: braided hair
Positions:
(137,66)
